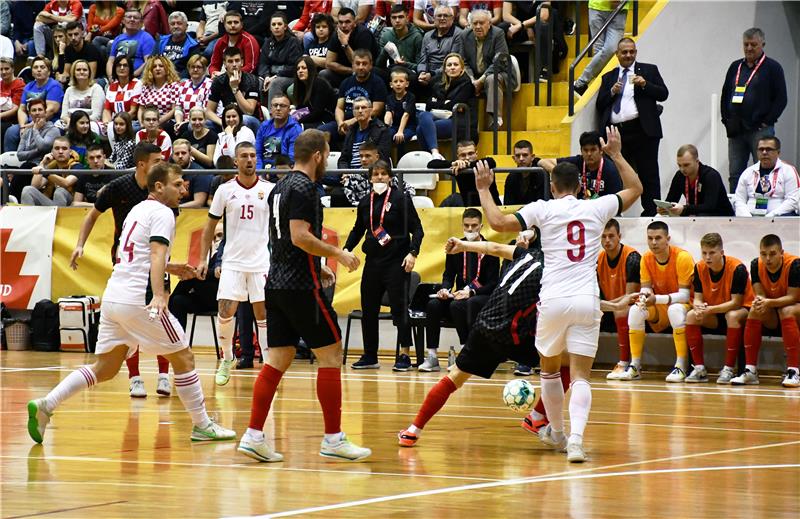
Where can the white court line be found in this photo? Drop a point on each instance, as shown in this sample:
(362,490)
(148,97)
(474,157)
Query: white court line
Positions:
(84,484)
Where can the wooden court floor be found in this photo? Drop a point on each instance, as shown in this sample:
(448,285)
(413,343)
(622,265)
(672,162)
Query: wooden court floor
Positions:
(656,450)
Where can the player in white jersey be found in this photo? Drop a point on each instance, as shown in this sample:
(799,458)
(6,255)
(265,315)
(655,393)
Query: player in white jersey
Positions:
(134,312)
(569,306)
(242,201)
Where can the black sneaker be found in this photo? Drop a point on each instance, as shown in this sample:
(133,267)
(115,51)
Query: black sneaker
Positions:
(569,27)
(244,363)
(580,89)
(366,362)
(522,370)
(403,363)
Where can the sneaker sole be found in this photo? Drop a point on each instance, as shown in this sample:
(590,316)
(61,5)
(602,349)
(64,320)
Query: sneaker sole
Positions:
(139,396)
(343,458)
(429,370)
(790,385)
(250,453)
(164,393)
(696,381)
(371,366)
(744,383)
(33,422)
(581,458)
(400,370)
(724,382)
(221,383)
(522,373)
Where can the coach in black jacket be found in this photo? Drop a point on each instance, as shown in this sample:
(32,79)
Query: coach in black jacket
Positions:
(631,106)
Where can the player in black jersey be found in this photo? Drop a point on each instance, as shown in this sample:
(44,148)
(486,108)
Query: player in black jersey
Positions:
(296,304)
(504,329)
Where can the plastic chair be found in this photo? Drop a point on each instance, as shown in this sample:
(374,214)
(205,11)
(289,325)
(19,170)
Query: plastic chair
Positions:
(333,160)
(9,160)
(418,160)
(422,202)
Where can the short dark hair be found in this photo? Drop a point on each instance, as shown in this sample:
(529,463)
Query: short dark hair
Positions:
(398,8)
(36,101)
(770,240)
(589,139)
(471,212)
(368,145)
(143,150)
(362,53)
(282,160)
(524,144)
(117,61)
(309,142)
(232,12)
(381,164)
(658,225)
(73,25)
(711,239)
(344,11)
(94,147)
(464,144)
(772,138)
(242,145)
(281,15)
(225,162)
(231,52)
(612,223)
(565,177)
(160,173)
(626,39)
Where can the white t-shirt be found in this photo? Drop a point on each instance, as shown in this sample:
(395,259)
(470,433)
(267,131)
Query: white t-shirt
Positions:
(246,213)
(570,231)
(148,221)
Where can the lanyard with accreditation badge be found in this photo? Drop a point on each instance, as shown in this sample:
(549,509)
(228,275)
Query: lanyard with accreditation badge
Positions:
(696,187)
(585,179)
(380,233)
(475,283)
(738,91)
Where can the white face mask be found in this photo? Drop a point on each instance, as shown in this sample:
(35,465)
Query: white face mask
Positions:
(472,236)
(380,187)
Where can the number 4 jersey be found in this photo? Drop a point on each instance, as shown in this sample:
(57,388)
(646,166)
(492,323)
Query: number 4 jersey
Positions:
(570,233)
(246,212)
(149,221)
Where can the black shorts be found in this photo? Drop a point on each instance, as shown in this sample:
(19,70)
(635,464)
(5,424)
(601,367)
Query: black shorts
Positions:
(720,329)
(292,314)
(481,356)
(608,323)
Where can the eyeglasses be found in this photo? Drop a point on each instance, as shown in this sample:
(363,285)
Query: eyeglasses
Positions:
(133,16)
(276,105)
(122,65)
(767,150)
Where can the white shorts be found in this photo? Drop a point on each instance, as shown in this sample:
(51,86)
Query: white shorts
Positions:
(568,323)
(241,286)
(131,325)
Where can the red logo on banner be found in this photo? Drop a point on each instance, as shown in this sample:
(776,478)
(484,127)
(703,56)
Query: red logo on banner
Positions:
(16,289)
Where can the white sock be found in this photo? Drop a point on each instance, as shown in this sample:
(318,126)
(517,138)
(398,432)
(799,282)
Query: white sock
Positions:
(624,363)
(262,338)
(80,379)
(333,438)
(553,398)
(225,336)
(751,368)
(255,434)
(580,402)
(432,352)
(636,362)
(699,366)
(682,363)
(191,394)
(413,429)
(535,415)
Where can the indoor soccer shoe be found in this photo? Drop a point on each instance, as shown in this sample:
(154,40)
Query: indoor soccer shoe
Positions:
(223,372)
(163,388)
(213,432)
(258,450)
(137,387)
(630,373)
(616,373)
(533,426)
(748,378)
(791,379)
(676,375)
(575,452)
(697,375)
(407,439)
(38,419)
(546,437)
(725,375)
(343,450)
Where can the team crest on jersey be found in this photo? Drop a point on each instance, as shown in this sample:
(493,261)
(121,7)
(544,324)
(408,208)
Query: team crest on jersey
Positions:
(261,195)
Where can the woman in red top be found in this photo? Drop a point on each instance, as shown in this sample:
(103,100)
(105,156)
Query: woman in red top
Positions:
(10,95)
(103,24)
(153,15)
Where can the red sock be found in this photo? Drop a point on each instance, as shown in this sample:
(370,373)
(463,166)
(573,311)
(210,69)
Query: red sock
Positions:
(752,341)
(791,339)
(732,341)
(329,394)
(163,364)
(694,336)
(623,339)
(133,364)
(263,392)
(539,407)
(436,398)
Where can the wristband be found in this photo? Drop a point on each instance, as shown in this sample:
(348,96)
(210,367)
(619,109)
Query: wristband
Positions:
(662,299)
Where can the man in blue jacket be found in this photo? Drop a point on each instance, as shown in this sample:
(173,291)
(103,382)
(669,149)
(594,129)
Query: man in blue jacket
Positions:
(178,45)
(277,136)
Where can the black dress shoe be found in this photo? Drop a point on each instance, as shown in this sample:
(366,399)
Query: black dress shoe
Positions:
(244,364)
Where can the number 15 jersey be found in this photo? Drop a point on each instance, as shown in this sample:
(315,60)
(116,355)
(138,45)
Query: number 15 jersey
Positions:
(246,212)
(570,234)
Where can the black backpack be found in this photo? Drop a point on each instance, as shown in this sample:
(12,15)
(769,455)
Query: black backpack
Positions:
(45,335)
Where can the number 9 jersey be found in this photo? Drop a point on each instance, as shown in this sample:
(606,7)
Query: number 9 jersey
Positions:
(570,231)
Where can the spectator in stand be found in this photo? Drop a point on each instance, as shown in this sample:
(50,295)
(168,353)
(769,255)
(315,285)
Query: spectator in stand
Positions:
(627,99)
(366,128)
(37,138)
(80,134)
(235,132)
(789,207)
(209,29)
(406,44)
(152,133)
(54,13)
(235,36)
(123,93)
(159,89)
(703,192)
(383,8)
(23,16)
(311,10)
(103,24)
(178,46)
(202,139)
(463,169)
(6,47)
(255,17)
(362,8)
(154,16)
(279,55)
(57,55)
(467,7)
(133,42)
(235,86)
(197,186)
(277,135)
(750,112)
(525,187)
(348,39)
(599,12)
(356,186)
(311,95)
(455,87)
(519,20)
(765,185)
(192,92)
(599,175)
(317,39)
(53,189)
(88,185)
(10,95)
(123,140)
(42,87)
(79,49)
(84,94)
(437,44)
(425,15)
(225,162)
(403,120)
(482,43)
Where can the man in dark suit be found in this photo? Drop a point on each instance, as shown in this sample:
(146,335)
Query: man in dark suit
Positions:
(627,99)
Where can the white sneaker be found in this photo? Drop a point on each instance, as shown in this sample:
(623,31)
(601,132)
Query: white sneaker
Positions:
(164,388)
(437,155)
(697,375)
(258,450)
(137,387)
(725,375)
(617,372)
(223,372)
(431,364)
(791,379)
(630,373)
(213,432)
(546,437)
(344,450)
(748,378)
(38,418)
(676,375)
(575,452)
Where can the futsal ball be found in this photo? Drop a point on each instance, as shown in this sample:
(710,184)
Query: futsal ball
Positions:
(519,395)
